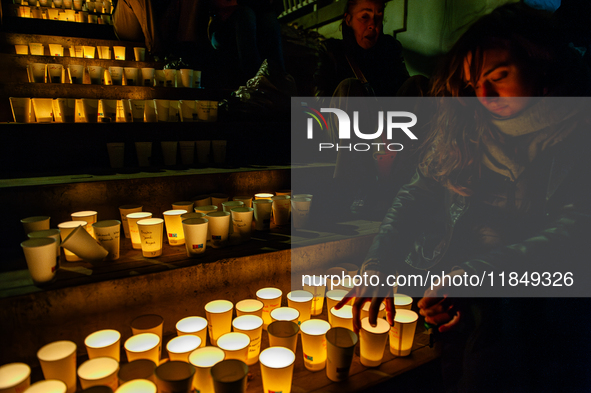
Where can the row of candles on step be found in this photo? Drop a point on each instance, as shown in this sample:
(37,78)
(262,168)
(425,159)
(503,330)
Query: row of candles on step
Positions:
(91,110)
(81,51)
(67,15)
(235,344)
(100,6)
(208,220)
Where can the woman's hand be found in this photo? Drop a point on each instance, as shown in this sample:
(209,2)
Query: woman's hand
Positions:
(440,310)
(375,296)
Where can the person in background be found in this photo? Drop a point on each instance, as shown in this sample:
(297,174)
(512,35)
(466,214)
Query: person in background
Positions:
(503,185)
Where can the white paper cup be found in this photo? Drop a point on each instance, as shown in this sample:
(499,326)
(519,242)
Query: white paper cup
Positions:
(22,49)
(35,223)
(79,50)
(151,236)
(285,314)
(148,77)
(203,149)
(247,200)
(402,302)
(342,317)
(36,49)
(314,343)
(48,233)
(14,377)
(300,210)
(332,298)
(148,323)
(47,386)
(372,342)
(56,50)
(365,311)
(316,288)
(196,79)
(143,346)
(119,52)
(204,359)
(340,347)
(162,109)
(219,318)
(131,76)
(21,109)
(249,307)
(271,298)
(179,348)
(219,151)
(229,376)
(124,211)
(207,110)
(195,230)
(235,345)
(402,334)
(263,195)
(89,52)
(58,361)
(41,259)
(43,109)
(170,76)
(38,72)
(173,114)
(150,111)
(134,233)
(281,209)
(67,109)
(65,229)
(137,386)
(100,371)
(187,77)
(252,326)
(90,110)
(104,52)
(89,216)
(138,108)
(218,199)
(109,109)
(76,74)
(283,334)
(96,74)
(116,75)
(301,301)
(187,110)
(103,343)
(174,227)
(202,200)
(219,226)
(108,233)
(242,222)
(160,78)
(196,326)
(227,206)
(144,153)
(124,111)
(140,54)
(277,369)
(187,151)
(84,246)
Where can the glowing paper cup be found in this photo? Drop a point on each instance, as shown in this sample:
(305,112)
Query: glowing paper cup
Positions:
(218,227)
(108,233)
(131,75)
(242,222)
(271,298)
(204,359)
(365,311)
(285,314)
(134,233)
(84,246)
(342,317)
(277,369)
(402,334)
(137,386)
(186,216)
(263,195)
(183,205)
(179,348)
(262,214)
(283,334)
(89,52)
(36,49)
(229,376)
(149,323)
(317,291)
(151,236)
(196,326)
(219,318)
(252,326)
(137,369)
(103,343)
(235,345)
(148,77)
(65,229)
(281,209)
(402,302)
(76,74)
(22,49)
(249,307)
(55,73)
(96,75)
(90,110)
(43,109)
(48,386)
(38,72)
(162,109)
(332,298)
(140,54)
(41,259)
(119,52)
(205,209)
(14,377)
(218,199)
(340,347)
(195,230)
(36,223)
(124,211)
(67,109)
(99,372)
(21,109)
(302,301)
(174,227)
(300,209)
(314,343)
(58,361)
(143,346)
(372,342)
(116,75)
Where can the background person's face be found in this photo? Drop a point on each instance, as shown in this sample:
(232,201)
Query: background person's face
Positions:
(503,87)
(366,18)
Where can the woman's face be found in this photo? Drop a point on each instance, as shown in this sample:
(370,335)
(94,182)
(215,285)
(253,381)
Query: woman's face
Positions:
(503,87)
(366,18)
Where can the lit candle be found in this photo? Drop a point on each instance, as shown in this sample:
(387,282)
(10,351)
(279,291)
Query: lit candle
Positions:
(251,325)
(196,326)
(204,359)
(235,345)
(103,343)
(314,343)
(271,298)
(277,369)
(179,348)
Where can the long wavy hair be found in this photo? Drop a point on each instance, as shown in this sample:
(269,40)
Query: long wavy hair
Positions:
(452,150)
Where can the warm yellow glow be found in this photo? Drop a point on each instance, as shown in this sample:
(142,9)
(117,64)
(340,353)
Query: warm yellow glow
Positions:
(174,227)
(277,369)
(251,325)
(332,298)
(249,306)
(128,209)
(103,343)
(179,348)
(204,359)
(47,386)
(314,343)
(340,347)
(219,318)
(318,292)
(183,205)
(403,332)
(271,298)
(285,314)
(301,301)
(89,216)
(134,233)
(235,345)
(402,301)
(58,361)
(342,317)
(65,229)
(149,323)
(365,310)
(196,326)
(263,195)
(372,342)
(56,351)
(143,346)
(137,386)
(99,371)
(283,334)
(14,376)
(151,236)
